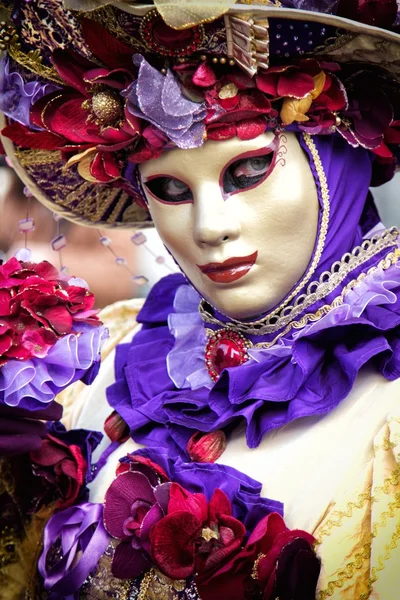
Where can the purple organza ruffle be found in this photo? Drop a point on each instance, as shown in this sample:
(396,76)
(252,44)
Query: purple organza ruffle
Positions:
(17,97)
(185,362)
(307,373)
(33,383)
(158,99)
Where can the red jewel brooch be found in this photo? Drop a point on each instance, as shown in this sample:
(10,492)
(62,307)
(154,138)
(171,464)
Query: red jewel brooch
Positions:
(225,349)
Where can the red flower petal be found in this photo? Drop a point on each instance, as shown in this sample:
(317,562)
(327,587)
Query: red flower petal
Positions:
(172,543)
(66,117)
(295,84)
(120,496)
(71,67)
(181,500)
(219,132)
(128,563)
(230,103)
(5,298)
(109,49)
(268,83)
(104,167)
(219,505)
(49,454)
(5,343)
(204,76)
(266,531)
(23,137)
(59,319)
(250,128)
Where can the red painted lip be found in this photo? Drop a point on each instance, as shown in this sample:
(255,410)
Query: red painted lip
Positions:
(230,270)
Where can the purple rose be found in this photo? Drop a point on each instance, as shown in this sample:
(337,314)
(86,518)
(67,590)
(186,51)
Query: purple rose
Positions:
(159,100)
(17,97)
(80,531)
(132,507)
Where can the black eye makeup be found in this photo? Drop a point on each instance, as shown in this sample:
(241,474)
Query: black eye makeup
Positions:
(243,172)
(246,172)
(169,190)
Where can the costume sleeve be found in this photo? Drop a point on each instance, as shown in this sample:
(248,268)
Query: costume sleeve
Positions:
(358,538)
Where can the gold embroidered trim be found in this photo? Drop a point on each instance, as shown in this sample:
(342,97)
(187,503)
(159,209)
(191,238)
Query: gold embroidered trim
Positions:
(393,480)
(387,443)
(389,260)
(347,573)
(352,566)
(28,158)
(326,284)
(387,514)
(32,61)
(393,544)
(338,516)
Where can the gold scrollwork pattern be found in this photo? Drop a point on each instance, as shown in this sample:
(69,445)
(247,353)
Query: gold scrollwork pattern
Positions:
(368,531)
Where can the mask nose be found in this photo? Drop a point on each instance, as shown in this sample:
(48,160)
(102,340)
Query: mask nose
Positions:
(214,220)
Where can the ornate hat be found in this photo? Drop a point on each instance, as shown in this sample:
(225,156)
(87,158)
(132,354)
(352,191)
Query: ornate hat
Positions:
(90,89)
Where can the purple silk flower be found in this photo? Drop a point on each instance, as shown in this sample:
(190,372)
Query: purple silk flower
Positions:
(159,100)
(80,532)
(17,97)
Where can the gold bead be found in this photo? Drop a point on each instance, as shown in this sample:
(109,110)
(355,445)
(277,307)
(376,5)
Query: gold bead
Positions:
(6,38)
(232,62)
(222,60)
(3,23)
(107,107)
(203,57)
(164,71)
(215,60)
(2,46)
(181,60)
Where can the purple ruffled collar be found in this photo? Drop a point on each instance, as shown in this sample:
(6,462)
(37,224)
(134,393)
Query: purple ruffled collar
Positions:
(164,393)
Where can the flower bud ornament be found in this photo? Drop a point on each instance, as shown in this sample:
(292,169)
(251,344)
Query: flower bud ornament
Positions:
(206,447)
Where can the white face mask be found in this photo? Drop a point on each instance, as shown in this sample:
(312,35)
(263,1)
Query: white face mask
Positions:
(236,201)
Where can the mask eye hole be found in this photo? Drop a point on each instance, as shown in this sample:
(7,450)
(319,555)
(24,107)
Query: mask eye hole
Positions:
(247,172)
(169,190)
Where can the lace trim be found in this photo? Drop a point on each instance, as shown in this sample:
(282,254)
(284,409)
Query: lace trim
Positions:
(317,290)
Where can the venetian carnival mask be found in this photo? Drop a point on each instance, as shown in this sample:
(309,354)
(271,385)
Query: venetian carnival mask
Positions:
(239,217)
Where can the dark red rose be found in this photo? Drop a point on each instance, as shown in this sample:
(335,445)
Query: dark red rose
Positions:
(194,536)
(269,564)
(62,466)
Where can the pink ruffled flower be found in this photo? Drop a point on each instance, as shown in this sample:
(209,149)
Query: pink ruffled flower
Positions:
(37,307)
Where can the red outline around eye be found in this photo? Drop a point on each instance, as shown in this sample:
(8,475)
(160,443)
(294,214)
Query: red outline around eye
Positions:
(160,176)
(272,147)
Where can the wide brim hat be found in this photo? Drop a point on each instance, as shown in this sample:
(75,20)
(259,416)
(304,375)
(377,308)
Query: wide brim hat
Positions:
(90,176)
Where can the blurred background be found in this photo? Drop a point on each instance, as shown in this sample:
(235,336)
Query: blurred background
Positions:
(116,264)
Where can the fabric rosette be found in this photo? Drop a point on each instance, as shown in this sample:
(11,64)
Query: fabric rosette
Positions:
(229,546)
(50,336)
(78,533)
